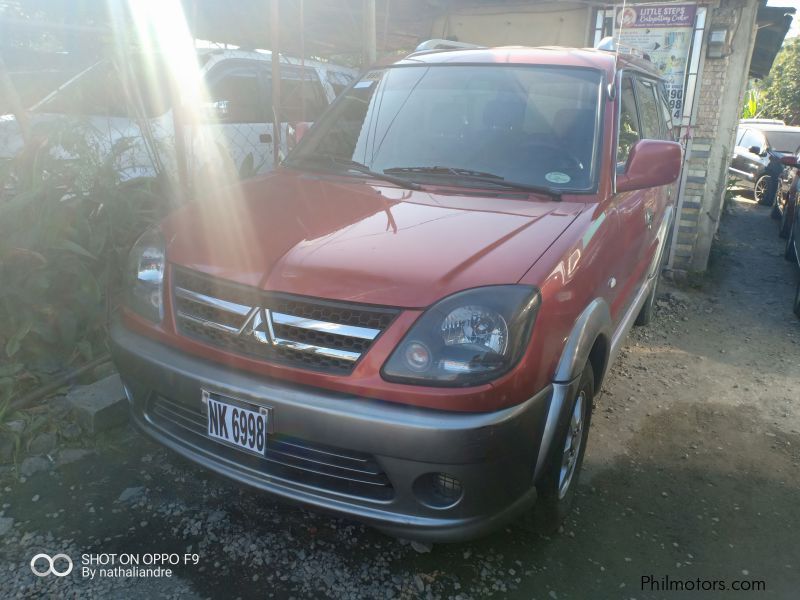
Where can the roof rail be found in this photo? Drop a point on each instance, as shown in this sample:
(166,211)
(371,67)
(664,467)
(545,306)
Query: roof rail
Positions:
(439,44)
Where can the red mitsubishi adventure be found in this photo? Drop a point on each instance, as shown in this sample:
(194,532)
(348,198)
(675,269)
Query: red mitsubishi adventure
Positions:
(407,322)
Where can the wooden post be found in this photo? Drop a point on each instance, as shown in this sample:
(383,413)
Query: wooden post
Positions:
(275,46)
(369,42)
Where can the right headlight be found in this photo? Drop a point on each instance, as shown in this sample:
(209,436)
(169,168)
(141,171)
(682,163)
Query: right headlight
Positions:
(144,293)
(468,338)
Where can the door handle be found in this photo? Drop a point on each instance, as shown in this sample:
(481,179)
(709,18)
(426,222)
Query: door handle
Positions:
(648,218)
(265,138)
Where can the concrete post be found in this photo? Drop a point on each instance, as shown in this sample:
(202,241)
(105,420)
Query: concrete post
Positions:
(729,100)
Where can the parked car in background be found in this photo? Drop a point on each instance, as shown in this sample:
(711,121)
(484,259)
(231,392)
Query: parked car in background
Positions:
(757,121)
(750,158)
(787,195)
(790,219)
(407,323)
(135,101)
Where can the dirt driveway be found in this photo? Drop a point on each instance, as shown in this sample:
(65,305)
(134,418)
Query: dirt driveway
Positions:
(691,474)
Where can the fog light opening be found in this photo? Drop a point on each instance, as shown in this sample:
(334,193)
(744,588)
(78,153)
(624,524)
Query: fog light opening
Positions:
(438,490)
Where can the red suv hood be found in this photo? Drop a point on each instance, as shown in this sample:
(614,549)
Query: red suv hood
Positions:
(351,239)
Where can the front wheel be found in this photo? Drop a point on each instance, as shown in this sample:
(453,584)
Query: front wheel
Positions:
(556,488)
(760,188)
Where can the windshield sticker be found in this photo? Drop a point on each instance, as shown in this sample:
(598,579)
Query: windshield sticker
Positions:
(364,84)
(558,177)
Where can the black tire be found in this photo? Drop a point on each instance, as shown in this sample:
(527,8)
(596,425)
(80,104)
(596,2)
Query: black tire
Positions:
(646,313)
(784,225)
(796,306)
(790,252)
(760,188)
(648,308)
(556,493)
(776,209)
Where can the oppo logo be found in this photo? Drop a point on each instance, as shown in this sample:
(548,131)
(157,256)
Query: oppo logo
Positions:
(51,565)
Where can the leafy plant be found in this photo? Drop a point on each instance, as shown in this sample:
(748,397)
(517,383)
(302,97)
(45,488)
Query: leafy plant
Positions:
(66,221)
(782,86)
(752,103)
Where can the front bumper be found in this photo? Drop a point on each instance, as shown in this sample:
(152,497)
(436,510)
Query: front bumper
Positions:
(354,456)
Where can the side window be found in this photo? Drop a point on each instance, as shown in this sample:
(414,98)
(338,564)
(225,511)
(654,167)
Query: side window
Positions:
(739,136)
(752,138)
(649,113)
(339,81)
(629,132)
(302,96)
(237,97)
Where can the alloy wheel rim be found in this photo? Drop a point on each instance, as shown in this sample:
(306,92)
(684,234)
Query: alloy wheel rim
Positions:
(761,187)
(572,446)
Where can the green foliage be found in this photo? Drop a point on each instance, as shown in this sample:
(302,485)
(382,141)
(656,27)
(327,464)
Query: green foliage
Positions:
(782,86)
(752,103)
(66,223)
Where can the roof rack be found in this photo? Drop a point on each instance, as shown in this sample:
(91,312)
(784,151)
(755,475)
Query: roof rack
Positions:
(608,44)
(439,44)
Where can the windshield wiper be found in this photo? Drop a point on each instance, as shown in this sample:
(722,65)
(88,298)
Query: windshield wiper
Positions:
(479,176)
(352,165)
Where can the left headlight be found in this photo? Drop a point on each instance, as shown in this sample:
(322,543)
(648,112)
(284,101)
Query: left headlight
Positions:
(144,285)
(468,338)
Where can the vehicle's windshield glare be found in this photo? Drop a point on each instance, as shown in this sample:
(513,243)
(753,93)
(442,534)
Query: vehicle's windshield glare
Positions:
(529,125)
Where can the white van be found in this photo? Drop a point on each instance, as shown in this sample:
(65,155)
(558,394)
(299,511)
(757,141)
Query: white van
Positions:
(237,114)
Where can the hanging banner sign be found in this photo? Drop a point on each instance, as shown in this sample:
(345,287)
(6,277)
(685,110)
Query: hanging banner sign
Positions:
(664,33)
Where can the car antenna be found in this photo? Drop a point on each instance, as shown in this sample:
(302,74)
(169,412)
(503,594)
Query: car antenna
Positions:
(612,87)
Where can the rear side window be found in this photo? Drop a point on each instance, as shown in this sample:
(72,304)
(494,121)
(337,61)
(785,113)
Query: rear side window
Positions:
(649,113)
(629,132)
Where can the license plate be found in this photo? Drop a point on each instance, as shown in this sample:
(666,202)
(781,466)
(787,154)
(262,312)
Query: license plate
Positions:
(237,425)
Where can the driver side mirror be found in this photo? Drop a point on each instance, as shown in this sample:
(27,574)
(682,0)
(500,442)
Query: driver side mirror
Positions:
(758,150)
(651,163)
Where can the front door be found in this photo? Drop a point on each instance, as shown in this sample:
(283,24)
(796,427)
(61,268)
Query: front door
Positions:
(634,210)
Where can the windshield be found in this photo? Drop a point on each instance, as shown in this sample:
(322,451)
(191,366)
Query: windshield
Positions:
(100,91)
(469,125)
(784,141)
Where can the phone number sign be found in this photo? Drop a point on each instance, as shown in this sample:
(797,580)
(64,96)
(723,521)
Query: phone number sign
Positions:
(664,33)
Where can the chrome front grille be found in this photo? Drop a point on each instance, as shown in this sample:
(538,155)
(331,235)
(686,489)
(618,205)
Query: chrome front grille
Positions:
(303,332)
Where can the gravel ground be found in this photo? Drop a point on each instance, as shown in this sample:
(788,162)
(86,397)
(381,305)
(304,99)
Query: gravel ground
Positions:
(691,472)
